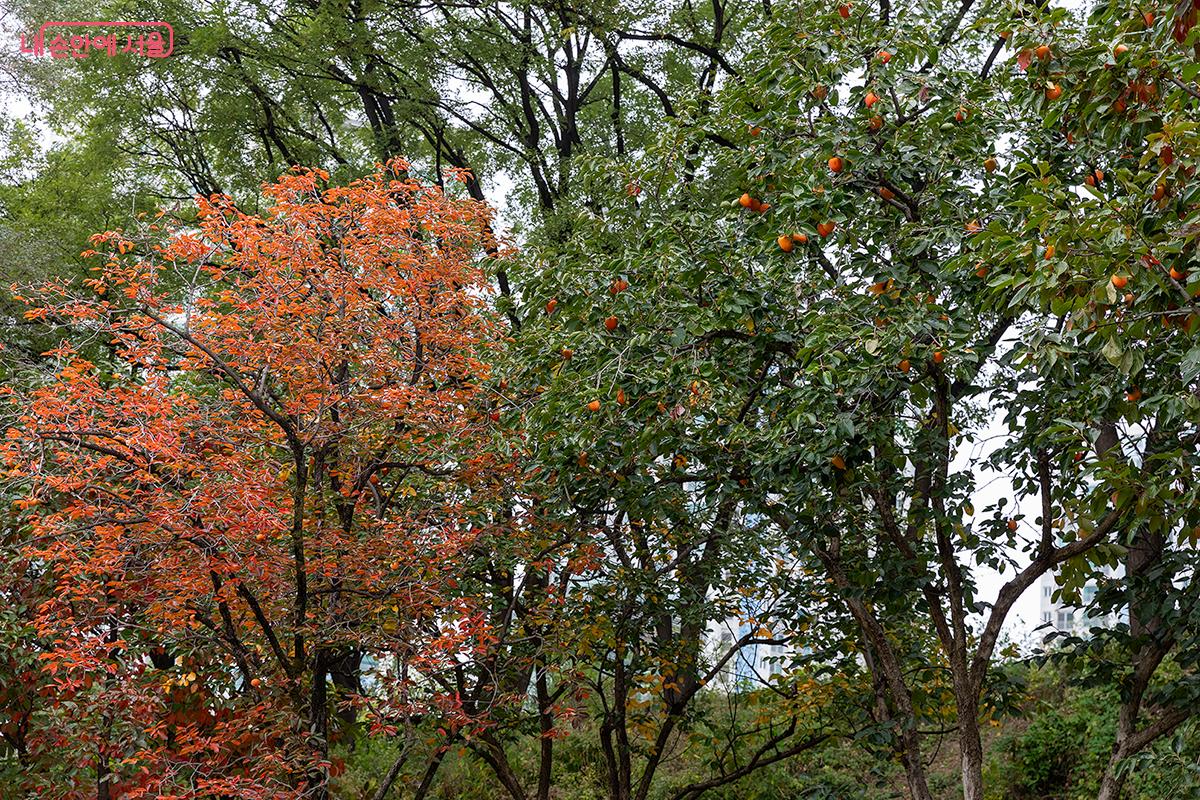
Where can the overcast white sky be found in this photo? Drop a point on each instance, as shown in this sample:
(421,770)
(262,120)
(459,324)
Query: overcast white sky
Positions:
(990,487)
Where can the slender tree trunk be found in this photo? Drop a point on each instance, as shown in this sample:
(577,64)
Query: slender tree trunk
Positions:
(886,661)
(430,773)
(914,764)
(615,735)
(102,785)
(491,750)
(318,728)
(1113,781)
(625,775)
(890,672)
(345,672)
(970,747)
(1110,784)
(1145,552)
(546,719)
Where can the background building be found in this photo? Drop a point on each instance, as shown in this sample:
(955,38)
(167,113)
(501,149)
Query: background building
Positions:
(754,664)
(1069,618)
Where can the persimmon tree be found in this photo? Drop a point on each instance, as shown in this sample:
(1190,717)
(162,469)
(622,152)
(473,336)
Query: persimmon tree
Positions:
(916,241)
(969,210)
(1118,210)
(638,388)
(261,491)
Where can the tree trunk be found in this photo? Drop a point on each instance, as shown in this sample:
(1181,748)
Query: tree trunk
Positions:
(491,750)
(970,748)
(430,773)
(1110,784)
(317,777)
(546,718)
(967,690)
(102,785)
(914,765)
(890,672)
(345,671)
(1145,552)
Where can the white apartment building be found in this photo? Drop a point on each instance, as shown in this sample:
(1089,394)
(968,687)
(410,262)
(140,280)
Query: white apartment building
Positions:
(754,665)
(1067,618)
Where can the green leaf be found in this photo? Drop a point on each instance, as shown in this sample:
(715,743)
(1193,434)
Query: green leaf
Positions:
(1112,351)
(1190,367)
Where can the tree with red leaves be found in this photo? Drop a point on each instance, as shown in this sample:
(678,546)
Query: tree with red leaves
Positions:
(268,481)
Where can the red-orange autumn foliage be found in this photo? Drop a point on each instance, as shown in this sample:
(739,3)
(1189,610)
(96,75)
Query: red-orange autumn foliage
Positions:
(276,471)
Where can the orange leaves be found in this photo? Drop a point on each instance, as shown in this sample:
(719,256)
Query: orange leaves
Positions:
(292,402)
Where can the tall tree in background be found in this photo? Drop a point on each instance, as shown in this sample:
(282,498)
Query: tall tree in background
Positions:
(522,87)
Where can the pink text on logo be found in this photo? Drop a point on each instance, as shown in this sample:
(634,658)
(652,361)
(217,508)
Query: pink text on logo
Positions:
(79,42)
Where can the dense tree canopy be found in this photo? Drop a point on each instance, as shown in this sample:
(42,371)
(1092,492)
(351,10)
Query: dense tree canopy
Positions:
(362,490)
(224,511)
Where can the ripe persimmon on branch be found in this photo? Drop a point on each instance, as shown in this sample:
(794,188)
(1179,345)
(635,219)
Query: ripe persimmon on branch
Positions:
(265,483)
